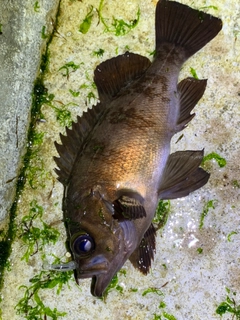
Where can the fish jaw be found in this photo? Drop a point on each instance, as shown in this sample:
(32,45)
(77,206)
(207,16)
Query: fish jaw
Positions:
(103,266)
(111,242)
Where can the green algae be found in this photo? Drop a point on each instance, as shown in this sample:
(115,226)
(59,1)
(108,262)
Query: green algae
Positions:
(114,284)
(161,214)
(68,68)
(209,205)
(87,21)
(36,6)
(31,306)
(98,53)
(194,73)
(214,156)
(35,236)
(74,93)
(118,27)
(152,290)
(229,306)
(43,33)
(229,236)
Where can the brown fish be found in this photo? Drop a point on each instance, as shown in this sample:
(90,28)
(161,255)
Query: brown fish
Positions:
(115,162)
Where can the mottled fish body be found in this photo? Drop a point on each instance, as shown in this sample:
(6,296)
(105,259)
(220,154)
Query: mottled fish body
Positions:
(115,162)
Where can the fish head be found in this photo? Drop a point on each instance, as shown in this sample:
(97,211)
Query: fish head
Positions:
(99,243)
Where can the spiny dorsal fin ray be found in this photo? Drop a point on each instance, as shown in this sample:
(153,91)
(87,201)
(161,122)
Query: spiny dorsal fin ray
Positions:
(73,142)
(114,74)
(142,257)
(182,175)
(190,92)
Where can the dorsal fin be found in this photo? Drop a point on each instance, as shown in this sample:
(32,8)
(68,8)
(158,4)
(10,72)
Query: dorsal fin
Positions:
(112,75)
(72,143)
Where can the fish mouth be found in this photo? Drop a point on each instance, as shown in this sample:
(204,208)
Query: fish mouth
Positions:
(97,265)
(101,280)
(99,269)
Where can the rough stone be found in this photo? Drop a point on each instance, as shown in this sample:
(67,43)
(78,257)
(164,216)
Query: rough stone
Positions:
(21,45)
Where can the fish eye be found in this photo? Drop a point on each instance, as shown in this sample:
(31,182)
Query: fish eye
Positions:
(83,244)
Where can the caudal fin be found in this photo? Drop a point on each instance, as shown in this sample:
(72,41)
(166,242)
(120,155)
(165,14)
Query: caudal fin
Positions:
(185,27)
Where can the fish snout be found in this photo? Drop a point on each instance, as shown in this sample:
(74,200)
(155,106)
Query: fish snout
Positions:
(94,266)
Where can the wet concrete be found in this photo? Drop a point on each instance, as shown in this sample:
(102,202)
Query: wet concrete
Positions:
(21,46)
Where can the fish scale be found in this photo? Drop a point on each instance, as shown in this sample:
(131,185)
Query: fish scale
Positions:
(115,162)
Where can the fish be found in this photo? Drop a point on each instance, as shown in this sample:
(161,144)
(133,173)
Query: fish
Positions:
(115,162)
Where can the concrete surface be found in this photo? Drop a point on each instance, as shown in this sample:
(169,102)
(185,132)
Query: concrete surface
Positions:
(193,266)
(21,46)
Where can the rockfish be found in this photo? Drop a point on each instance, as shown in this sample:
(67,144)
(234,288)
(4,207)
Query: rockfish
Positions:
(115,162)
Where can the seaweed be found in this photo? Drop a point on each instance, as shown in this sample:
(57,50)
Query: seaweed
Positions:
(236,184)
(210,204)
(33,236)
(152,290)
(43,34)
(31,305)
(74,93)
(114,284)
(63,115)
(164,315)
(229,236)
(98,53)
(229,306)
(68,68)
(213,155)
(87,21)
(119,27)
(194,73)
(36,6)
(161,214)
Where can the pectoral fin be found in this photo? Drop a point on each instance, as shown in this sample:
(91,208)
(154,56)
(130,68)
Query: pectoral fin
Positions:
(182,175)
(142,257)
(128,207)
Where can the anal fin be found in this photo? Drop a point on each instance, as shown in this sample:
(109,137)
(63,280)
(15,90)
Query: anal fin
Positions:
(182,175)
(190,92)
(142,257)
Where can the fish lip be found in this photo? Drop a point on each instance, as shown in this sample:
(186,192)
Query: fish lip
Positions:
(95,266)
(99,285)
(93,288)
(82,274)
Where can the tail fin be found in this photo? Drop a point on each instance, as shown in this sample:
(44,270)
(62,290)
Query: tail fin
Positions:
(185,27)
